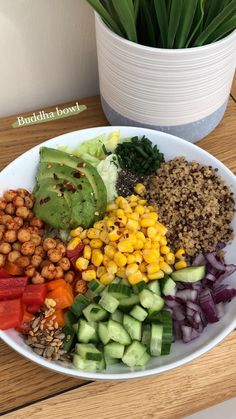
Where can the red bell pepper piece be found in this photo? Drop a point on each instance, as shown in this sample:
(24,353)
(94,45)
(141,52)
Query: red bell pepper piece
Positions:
(76,252)
(4,274)
(34,308)
(12,288)
(34,294)
(25,325)
(11,313)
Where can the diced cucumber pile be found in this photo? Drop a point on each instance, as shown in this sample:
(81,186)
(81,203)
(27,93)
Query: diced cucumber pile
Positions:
(118,323)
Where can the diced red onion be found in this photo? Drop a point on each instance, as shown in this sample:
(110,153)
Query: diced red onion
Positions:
(220,309)
(199,260)
(186,295)
(211,258)
(208,306)
(223,294)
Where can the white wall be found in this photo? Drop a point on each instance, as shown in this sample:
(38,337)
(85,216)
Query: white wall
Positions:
(47,53)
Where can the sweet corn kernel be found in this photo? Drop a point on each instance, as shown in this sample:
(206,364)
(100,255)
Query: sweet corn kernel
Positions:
(120,212)
(76,231)
(114,235)
(106,278)
(106,260)
(111,267)
(163,241)
(99,225)
(147,244)
(165,250)
(121,273)
(180,253)
(104,236)
(135,278)
(139,244)
(152,215)
(130,258)
(133,216)
(139,209)
(100,271)
(138,256)
(153,268)
(132,224)
(97,257)
(157,275)
(161,229)
(151,232)
(109,251)
(132,198)
(147,222)
(93,233)
(81,264)
(125,246)
(170,258)
(143,267)
(96,243)
(165,268)
(120,200)
(122,220)
(87,252)
(139,188)
(150,255)
(111,207)
(180,265)
(83,234)
(89,275)
(120,259)
(140,235)
(86,241)
(142,201)
(131,269)
(73,243)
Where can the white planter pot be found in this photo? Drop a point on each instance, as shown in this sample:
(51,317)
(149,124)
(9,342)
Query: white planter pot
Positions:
(183,92)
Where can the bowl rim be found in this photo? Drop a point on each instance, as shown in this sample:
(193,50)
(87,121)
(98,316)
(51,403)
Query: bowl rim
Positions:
(132,374)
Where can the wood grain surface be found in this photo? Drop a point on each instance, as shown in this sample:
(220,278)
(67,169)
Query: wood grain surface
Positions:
(22,382)
(171,395)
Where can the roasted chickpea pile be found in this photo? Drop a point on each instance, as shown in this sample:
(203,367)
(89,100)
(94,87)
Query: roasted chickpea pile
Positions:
(22,240)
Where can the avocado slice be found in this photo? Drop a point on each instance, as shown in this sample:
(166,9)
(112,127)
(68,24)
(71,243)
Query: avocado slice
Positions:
(51,155)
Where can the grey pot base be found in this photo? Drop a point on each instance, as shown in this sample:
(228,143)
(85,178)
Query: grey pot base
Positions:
(192,132)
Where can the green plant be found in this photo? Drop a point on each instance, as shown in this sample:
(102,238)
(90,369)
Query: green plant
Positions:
(168,23)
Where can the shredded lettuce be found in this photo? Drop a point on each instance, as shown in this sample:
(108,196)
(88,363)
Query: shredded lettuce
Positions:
(108,170)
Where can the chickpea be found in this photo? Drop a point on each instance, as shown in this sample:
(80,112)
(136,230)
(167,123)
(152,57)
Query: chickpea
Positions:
(49,271)
(2,228)
(22,192)
(36,222)
(4,219)
(2,260)
(33,230)
(59,272)
(69,276)
(36,238)
(62,248)
(10,195)
(23,235)
(49,243)
(81,286)
(18,201)
(39,250)
(36,260)
(10,236)
(13,255)
(22,212)
(30,271)
(18,222)
(38,279)
(64,263)
(45,263)
(28,248)
(29,203)
(5,248)
(31,215)
(10,224)
(10,209)
(3,203)
(54,255)
(1,235)
(16,246)
(23,261)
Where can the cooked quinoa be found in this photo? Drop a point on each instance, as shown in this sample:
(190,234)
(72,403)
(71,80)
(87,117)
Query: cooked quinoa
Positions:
(193,203)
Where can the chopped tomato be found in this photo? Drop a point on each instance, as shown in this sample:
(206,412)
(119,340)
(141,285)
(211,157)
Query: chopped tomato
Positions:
(56,283)
(34,294)
(25,324)
(12,288)
(13,269)
(11,313)
(59,317)
(63,295)
(75,253)
(4,274)
(34,308)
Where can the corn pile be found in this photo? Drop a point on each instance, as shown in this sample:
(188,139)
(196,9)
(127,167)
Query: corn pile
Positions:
(129,243)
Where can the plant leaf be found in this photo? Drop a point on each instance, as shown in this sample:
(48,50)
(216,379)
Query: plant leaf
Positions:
(213,9)
(136,9)
(186,20)
(174,19)
(162,18)
(197,21)
(225,14)
(127,17)
(149,24)
(100,9)
(228,26)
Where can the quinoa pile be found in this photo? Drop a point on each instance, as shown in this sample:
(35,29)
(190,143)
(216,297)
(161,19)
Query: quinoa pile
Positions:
(193,203)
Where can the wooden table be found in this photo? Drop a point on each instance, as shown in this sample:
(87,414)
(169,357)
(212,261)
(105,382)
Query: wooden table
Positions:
(28,391)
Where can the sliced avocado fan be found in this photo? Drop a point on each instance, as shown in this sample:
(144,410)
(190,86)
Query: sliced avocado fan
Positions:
(69,192)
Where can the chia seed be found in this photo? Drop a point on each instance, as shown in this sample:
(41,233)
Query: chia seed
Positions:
(126,182)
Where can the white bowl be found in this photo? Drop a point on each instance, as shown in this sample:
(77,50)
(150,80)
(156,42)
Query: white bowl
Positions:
(21,173)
